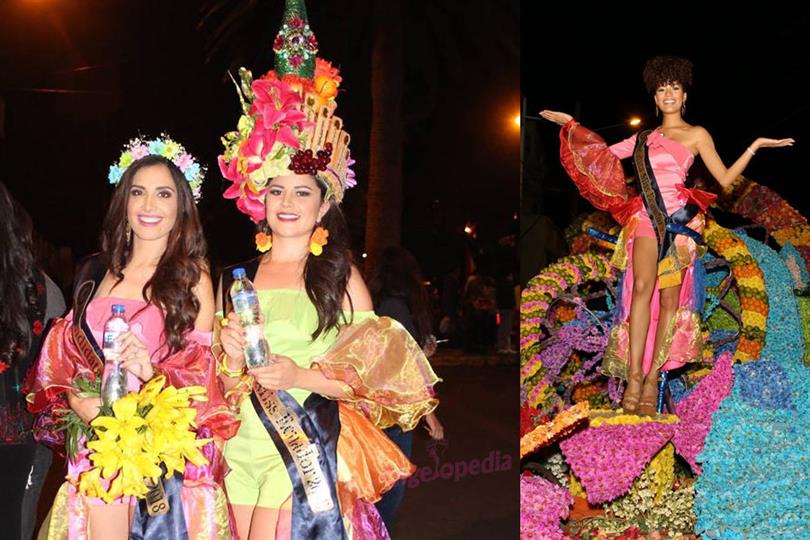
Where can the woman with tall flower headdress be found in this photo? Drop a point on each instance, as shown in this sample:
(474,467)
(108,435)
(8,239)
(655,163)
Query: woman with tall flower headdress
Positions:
(661,243)
(310,458)
(153,263)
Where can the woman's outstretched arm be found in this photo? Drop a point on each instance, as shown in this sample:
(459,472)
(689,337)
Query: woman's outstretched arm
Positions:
(725,176)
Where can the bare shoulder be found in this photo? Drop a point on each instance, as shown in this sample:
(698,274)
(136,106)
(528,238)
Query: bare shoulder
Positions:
(204,291)
(357,290)
(699,134)
(204,287)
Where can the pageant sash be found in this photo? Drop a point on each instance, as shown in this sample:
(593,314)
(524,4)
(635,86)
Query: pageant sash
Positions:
(665,227)
(169,523)
(306,438)
(88,278)
(82,336)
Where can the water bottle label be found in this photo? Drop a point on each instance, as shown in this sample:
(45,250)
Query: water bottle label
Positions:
(257,352)
(109,339)
(244,301)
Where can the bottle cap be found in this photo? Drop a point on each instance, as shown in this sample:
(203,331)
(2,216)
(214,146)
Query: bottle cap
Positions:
(119,309)
(238,273)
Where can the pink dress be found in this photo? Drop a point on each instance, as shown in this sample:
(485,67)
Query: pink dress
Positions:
(594,166)
(671,161)
(204,501)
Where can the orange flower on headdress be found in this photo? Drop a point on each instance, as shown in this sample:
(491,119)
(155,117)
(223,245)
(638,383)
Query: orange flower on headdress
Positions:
(263,242)
(326,80)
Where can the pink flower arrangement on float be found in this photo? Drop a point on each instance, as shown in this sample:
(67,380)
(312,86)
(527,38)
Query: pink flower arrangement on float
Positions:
(613,450)
(542,506)
(695,410)
(607,457)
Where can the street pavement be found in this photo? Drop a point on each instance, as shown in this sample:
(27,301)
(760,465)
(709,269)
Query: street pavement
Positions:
(467,488)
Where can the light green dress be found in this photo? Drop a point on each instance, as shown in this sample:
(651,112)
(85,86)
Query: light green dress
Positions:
(258,476)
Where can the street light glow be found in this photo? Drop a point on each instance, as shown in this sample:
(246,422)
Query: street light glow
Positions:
(635,121)
(517,120)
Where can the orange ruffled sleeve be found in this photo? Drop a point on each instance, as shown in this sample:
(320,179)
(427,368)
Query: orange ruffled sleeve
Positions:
(369,463)
(594,167)
(385,371)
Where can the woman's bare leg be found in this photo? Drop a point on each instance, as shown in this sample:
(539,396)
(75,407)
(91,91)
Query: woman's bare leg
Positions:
(242,515)
(645,267)
(109,522)
(263,525)
(284,527)
(668,306)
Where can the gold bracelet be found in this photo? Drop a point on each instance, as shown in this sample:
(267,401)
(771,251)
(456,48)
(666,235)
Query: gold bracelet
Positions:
(228,372)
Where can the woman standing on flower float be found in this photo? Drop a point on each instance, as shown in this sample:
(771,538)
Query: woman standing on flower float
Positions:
(310,458)
(153,263)
(661,239)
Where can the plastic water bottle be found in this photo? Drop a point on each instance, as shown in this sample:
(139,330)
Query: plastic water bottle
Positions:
(246,305)
(115,381)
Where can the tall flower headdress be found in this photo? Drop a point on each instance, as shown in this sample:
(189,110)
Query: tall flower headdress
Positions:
(163,146)
(288,123)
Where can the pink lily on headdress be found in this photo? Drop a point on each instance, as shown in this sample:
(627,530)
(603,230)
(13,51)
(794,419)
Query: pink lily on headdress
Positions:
(255,149)
(247,201)
(277,109)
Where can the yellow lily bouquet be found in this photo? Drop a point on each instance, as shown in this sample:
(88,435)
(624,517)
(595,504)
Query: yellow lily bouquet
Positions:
(146,429)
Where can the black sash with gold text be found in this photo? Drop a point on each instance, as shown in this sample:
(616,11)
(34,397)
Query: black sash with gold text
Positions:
(306,438)
(665,226)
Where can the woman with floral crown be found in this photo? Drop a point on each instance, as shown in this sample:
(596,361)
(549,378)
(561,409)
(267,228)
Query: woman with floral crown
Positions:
(310,458)
(660,246)
(153,264)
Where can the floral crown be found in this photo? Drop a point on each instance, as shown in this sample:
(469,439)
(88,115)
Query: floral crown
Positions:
(166,147)
(288,123)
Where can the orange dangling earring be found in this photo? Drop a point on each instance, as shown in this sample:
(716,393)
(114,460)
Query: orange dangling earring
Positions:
(318,240)
(264,241)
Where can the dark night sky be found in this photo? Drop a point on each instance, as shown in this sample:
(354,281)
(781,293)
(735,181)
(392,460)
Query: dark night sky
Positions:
(751,79)
(139,67)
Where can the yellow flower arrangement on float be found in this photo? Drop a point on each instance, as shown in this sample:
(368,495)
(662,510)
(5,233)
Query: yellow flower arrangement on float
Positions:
(798,235)
(751,284)
(146,431)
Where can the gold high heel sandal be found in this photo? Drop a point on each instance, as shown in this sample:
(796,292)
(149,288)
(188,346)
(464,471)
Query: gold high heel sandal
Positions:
(648,405)
(632,394)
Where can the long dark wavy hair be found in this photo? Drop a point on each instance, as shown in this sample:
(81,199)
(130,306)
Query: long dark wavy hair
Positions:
(326,276)
(17,280)
(397,274)
(171,286)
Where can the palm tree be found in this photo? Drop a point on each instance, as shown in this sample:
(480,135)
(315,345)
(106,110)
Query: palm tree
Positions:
(384,208)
